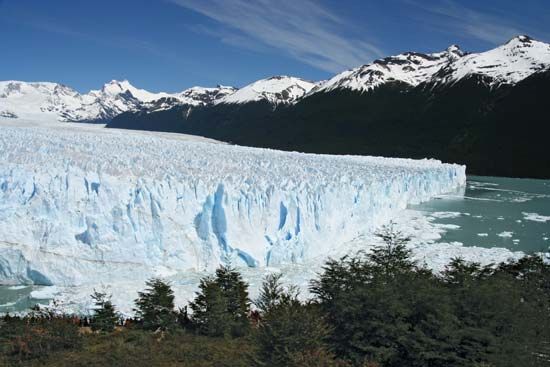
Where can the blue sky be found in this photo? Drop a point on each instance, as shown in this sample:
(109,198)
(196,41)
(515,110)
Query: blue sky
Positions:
(171,45)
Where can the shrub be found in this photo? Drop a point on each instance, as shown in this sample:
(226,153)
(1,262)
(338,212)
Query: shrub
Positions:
(30,337)
(290,333)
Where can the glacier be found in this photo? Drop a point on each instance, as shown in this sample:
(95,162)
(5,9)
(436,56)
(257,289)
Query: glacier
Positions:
(80,205)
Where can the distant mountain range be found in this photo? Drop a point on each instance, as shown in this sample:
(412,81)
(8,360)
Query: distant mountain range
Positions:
(57,102)
(487,110)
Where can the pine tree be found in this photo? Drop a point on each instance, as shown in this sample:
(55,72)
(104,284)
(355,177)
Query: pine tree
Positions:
(221,306)
(271,293)
(210,315)
(155,306)
(105,315)
(235,291)
(392,257)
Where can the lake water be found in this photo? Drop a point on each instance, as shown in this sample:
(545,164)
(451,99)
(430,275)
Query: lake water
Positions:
(17,298)
(496,212)
(492,212)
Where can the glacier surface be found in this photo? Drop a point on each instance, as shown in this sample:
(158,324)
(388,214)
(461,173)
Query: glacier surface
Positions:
(85,205)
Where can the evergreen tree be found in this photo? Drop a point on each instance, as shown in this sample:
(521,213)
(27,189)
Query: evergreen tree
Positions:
(271,293)
(183,319)
(235,292)
(105,316)
(392,257)
(384,308)
(155,306)
(291,333)
(210,310)
(459,273)
(221,306)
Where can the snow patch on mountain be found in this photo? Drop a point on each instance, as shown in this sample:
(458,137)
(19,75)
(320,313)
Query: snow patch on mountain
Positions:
(510,63)
(116,88)
(507,64)
(411,67)
(275,90)
(82,206)
(55,102)
(205,96)
(45,101)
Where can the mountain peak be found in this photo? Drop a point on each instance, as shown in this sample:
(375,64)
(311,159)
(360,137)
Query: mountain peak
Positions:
(276,89)
(204,96)
(455,50)
(507,64)
(116,87)
(520,39)
(410,68)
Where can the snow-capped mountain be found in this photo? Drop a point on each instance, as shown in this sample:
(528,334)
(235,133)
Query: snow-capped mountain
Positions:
(411,67)
(276,90)
(46,101)
(204,96)
(188,99)
(115,88)
(510,63)
(450,105)
(507,64)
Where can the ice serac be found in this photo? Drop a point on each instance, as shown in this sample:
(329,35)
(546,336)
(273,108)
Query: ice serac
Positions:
(80,206)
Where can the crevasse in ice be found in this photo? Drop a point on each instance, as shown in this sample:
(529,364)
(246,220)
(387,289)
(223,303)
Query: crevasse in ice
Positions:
(80,206)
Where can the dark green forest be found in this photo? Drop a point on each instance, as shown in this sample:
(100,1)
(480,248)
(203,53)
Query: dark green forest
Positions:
(375,309)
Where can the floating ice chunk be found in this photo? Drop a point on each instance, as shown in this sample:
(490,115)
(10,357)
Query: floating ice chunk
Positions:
(506,234)
(535,217)
(448,226)
(446,215)
(17,287)
(521,200)
(45,292)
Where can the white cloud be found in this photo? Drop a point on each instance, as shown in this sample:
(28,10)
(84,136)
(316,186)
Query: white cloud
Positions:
(481,25)
(301,28)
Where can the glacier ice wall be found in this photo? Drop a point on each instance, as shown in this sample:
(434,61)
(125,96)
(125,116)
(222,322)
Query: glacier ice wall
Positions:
(79,206)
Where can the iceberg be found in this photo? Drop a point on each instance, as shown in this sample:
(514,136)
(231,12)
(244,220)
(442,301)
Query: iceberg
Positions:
(84,205)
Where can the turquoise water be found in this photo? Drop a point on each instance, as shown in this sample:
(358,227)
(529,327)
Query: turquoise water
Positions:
(497,212)
(17,298)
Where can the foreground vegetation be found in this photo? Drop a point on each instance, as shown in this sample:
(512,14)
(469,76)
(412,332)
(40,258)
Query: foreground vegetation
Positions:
(375,309)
